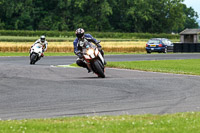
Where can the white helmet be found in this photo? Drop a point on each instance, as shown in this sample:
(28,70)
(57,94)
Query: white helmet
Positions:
(42,38)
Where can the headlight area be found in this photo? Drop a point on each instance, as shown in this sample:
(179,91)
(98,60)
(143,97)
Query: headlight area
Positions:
(90,51)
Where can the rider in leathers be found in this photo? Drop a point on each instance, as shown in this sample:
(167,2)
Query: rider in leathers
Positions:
(81,38)
(43,42)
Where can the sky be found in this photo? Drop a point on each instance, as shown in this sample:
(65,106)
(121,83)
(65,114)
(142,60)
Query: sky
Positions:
(195,4)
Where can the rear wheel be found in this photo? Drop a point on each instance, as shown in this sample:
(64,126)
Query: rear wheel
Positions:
(99,68)
(165,50)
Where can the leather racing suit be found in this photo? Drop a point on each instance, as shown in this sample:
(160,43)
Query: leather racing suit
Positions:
(78,44)
(44,44)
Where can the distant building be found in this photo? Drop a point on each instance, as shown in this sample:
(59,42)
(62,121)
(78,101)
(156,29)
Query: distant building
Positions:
(190,36)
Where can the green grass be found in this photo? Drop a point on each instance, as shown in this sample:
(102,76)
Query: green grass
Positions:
(122,53)
(31,39)
(62,39)
(58,54)
(168,123)
(187,66)
(56,39)
(27,54)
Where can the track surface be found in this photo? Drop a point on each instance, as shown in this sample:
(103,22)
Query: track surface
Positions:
(43,91)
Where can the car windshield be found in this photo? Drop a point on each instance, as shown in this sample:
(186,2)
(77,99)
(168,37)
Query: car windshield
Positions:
(154,42)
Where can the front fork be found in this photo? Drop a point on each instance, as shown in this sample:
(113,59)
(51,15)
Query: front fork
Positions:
(88,63)
(89,66)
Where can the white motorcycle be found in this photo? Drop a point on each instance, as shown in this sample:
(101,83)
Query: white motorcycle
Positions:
(35,53)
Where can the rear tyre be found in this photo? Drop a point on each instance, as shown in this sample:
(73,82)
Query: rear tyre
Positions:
(165,50)
(99,69)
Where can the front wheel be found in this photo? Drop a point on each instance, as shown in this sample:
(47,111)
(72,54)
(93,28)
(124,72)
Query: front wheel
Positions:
(148,52)
(33,58)
(99,68)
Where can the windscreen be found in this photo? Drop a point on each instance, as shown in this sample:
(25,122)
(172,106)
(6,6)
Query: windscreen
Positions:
(153,42)
(38,45)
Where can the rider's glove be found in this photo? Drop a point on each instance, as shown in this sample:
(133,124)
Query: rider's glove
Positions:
(30,49)
(80,55)
(98,46)
(77,52)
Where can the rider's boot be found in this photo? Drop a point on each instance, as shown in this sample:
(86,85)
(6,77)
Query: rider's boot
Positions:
(79,62)
(105,62)
(42,55)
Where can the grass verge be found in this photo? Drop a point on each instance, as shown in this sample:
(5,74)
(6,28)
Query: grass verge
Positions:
(168,123)
(61,53)
(59,39)
(27,54)
(187,66)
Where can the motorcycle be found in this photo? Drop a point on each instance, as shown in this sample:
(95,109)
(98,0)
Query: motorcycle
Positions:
(94,59)
(35,53)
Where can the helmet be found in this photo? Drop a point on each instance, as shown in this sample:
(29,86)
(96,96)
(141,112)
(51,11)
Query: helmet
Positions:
(80,33)
(42,38)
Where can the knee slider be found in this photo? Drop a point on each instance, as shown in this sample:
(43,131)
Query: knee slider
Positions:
(79,62)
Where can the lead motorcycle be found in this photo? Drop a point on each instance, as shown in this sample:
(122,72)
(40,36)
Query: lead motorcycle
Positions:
(35,53)
(94,59)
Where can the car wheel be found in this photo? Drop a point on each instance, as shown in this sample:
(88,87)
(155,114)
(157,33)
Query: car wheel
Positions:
(165,51)
(148,52)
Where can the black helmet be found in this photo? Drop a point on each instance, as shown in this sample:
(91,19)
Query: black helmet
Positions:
(80,33)
(42,38)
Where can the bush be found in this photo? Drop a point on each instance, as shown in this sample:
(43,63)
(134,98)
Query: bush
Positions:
(94,34)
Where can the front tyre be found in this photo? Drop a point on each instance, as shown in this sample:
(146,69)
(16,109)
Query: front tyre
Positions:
(33,58)
(99,68)
(148,52)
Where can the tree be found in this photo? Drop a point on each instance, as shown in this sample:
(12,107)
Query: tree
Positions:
(191,17)
(154,16)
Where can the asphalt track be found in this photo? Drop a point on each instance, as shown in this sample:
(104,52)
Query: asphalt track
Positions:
(45,90)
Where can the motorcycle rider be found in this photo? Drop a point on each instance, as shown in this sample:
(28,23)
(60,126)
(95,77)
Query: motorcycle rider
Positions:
(43,42)
(82,37)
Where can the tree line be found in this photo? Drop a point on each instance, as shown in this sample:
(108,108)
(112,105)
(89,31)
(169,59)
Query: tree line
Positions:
(153,16)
